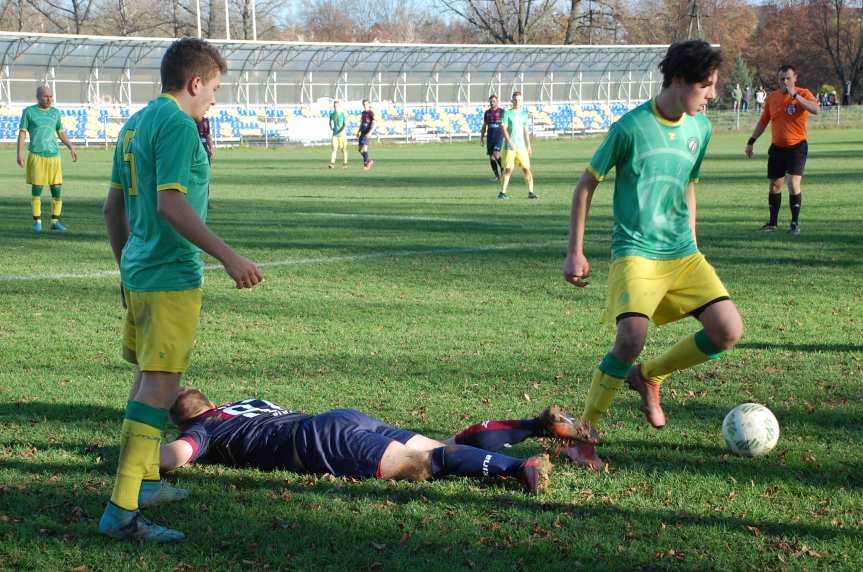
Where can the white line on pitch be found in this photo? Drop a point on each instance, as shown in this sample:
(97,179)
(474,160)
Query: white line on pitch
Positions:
(301,261)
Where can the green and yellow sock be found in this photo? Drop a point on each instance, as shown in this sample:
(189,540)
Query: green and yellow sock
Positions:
(56,203)
(36,202)
(607,379)
(139,447)
(686,353)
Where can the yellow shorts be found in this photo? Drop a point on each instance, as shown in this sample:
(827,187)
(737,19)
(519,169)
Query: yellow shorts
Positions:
(43,171)
(160,329)
(340,142)
(663,290)
(512,156)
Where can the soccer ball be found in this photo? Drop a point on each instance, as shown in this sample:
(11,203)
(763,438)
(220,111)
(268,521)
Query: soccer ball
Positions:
(750,430)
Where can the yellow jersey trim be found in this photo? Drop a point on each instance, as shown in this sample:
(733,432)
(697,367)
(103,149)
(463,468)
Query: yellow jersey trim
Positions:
(172,187)
(662,119)
(596,175)
(22,130)
(117,186)
(694,181)
(171,97)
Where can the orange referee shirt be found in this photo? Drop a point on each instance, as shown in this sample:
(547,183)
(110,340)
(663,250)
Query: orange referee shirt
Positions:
(788,116)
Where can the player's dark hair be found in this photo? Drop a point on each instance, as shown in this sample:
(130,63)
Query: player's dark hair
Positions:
(515,93)
(190,403)
(365,101)
(492,96)
(187,58)
(787,67)
(693,61)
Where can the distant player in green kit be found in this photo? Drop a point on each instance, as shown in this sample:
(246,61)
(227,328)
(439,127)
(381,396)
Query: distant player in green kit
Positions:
(339,127)
(42,122)
(656,271)
(516,146)
(155,215)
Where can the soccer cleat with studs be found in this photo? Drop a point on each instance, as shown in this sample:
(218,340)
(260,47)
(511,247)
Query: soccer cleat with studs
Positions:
(58,226)
(37,226)
(794,229)
(767,228)
(649,393)
(532,195)
(159,492)
(131,525)
(503,196)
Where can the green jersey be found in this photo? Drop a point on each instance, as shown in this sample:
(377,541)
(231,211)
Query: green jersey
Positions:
(515,122)
(159,149)
(655,159)
(338,122)
(42,125)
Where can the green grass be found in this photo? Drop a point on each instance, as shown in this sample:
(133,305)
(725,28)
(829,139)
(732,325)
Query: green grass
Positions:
(411,293)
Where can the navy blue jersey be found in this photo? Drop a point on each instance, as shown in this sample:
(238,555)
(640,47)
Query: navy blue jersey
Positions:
(493,119)
(366,120)
(248,433)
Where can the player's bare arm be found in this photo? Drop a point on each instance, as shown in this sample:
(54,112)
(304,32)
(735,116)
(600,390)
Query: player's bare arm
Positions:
(576,268)
(114,212)
(527,140)
(690,203)
(22,140)
(756,133)
(65,140)
(174,455)
(482,133)
(175,209)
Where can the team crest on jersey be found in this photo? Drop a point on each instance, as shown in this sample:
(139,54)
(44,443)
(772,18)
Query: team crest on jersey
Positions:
(791,109)
(692,144)
(672,136)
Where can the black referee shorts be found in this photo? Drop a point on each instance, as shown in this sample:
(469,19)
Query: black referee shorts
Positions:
(786,160)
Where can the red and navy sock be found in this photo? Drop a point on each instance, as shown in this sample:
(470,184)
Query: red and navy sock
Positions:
(494,167)
(496,435)
(466,461)
(365,155)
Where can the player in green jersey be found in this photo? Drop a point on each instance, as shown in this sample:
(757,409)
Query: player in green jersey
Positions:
(155,214)
(339,127)
(42,122)
(516,146)
(656,271)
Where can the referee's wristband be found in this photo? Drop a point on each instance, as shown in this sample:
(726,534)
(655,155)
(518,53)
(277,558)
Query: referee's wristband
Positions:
(751,141)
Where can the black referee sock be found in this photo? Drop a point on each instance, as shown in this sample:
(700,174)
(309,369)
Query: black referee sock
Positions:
(494,167)
(795,201)
(775,201)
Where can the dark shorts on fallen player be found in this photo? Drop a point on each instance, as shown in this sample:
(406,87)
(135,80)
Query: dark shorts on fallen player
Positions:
(363,139)
(345,443)
(493,141)
(790,160)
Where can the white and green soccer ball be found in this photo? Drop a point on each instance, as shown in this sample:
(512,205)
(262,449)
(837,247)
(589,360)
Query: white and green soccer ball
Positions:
(750,430)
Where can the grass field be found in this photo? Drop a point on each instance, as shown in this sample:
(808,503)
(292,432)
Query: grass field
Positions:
(411,293)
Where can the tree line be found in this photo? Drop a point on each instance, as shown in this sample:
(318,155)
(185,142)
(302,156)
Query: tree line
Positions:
(823,39)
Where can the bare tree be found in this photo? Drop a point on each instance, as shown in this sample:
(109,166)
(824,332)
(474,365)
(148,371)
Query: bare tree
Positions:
(68,15)
(505,21)
(840,31)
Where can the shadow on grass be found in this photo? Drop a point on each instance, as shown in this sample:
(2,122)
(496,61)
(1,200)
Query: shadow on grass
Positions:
(803,348)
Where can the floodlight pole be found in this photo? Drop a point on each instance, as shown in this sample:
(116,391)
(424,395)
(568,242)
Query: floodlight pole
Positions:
(227,21)
(198,16)
(254,23)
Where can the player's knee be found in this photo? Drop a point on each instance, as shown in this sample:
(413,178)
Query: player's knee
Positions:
(629,344)
(407,464)
(727,336)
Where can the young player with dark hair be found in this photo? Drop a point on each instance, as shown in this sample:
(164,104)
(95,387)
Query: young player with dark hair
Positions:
(516,146)
(787,110)
(364,133)
(258,434)
(657,271)
(491,135)
(155,215)
(42,122)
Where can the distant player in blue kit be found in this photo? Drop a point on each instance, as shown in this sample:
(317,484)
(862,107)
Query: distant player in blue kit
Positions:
(492,135)
(258,434)
(364,134)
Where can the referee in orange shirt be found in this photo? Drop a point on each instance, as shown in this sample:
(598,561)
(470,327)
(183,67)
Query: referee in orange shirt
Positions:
(788,108)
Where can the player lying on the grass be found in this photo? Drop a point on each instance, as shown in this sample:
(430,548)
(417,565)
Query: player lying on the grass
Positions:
(258,434)
(657,272)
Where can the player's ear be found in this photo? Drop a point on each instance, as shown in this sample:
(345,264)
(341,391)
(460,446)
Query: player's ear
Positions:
(194,85)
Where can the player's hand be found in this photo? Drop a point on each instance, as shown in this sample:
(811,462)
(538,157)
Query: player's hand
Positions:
(481,141)
(74,154)
(530,151)
(20,160)
(748,151)
(576,270)
(244,272)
